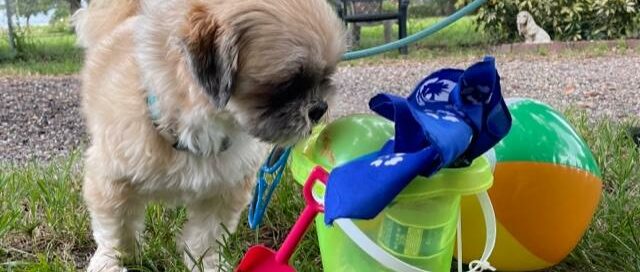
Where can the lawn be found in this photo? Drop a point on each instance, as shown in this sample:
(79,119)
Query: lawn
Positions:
(462,33)
(44,226)
(47,51)
(52,50)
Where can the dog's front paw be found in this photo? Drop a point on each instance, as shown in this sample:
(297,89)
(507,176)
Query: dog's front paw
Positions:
(105,262)
(204,141)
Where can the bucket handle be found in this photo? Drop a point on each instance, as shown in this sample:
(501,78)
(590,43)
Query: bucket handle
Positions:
(391,262)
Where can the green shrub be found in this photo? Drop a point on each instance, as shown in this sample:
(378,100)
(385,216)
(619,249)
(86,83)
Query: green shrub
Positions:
(431,8)
(566,20)
(424,8)
(617,18)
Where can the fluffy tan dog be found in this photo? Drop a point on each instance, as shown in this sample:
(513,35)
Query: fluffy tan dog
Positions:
(230,77)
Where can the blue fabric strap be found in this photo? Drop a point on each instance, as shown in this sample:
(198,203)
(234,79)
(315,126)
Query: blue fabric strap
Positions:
(264,190)
(452,114)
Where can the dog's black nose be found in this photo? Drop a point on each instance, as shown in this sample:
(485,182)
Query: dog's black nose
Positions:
(317,111)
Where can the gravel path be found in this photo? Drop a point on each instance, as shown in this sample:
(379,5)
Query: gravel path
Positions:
(604,86)
(39,117)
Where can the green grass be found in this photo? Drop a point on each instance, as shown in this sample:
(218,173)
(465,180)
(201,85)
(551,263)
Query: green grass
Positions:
(45,51)
(457,40)
(462,33)
(612,243)
(52,50)
(460,39)
(44,225)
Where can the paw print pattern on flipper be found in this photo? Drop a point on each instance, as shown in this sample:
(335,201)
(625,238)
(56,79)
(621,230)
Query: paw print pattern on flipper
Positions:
(442,114)
(388,160)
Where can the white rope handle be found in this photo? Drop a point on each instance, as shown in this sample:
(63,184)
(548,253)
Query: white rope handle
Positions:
(392,262)
(491,232)
(459,240)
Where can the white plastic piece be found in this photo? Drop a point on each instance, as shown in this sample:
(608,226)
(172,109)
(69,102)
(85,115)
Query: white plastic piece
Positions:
(491,233)
(490,155)
(459,240)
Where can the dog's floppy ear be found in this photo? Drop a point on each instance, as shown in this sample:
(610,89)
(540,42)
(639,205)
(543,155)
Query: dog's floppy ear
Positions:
(213,54)
(530,21)
(523,26)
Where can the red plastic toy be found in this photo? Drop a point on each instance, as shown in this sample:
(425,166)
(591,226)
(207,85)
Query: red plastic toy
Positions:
(263,259)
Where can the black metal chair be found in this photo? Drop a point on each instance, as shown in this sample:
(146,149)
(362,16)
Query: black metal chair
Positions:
(367,11)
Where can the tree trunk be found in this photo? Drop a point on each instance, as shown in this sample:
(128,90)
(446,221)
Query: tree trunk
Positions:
(74,5)
(12,38)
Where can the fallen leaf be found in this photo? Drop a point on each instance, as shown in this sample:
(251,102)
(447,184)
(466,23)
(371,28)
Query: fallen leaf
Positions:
(569,89)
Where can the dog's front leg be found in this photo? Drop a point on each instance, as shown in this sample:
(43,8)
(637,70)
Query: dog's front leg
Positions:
(204,228)
(117,218)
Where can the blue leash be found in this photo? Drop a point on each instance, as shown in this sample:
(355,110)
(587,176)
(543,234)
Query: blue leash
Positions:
(264,190)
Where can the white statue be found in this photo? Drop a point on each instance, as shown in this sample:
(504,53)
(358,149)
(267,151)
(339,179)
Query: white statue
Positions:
(528,28)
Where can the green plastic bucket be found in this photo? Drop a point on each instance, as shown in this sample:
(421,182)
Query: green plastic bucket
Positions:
(418,227)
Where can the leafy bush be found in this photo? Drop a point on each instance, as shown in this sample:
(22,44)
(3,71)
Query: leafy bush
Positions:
(617,18)
(418,8)
(431,8)
(566,20)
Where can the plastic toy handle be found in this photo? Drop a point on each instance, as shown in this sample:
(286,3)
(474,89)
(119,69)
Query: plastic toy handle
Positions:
(317,174)
(306,217)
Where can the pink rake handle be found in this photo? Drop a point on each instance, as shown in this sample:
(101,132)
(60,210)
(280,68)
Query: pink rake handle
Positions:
(308,214)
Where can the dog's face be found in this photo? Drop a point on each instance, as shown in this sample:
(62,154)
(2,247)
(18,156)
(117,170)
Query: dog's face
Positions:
(523,18)
(268,62)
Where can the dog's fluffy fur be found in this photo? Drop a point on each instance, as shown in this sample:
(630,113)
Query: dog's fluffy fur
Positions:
(230,76)
(528,28)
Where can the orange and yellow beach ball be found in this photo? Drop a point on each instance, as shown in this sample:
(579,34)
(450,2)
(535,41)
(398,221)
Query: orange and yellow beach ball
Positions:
(546,189)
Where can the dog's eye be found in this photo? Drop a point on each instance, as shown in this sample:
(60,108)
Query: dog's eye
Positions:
(285,90)
(284,86)
(298,84)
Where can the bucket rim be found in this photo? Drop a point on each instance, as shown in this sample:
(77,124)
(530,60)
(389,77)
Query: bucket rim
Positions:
(469,180)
